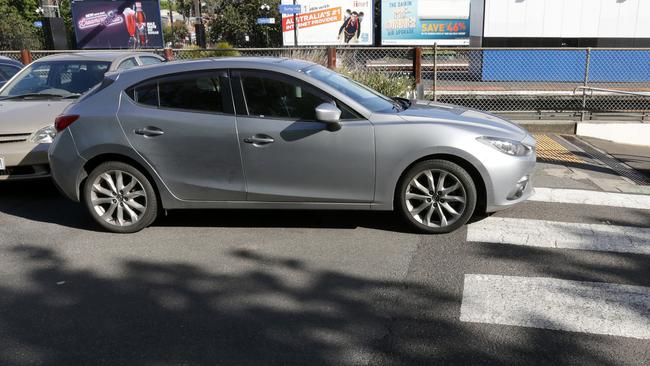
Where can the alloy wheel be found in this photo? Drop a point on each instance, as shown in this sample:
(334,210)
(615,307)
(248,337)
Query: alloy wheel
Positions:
(435,198)
(118,198)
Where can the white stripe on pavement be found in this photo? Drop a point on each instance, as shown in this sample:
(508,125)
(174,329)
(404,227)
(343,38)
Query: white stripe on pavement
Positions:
(551,234)
(590,307)
(577,196)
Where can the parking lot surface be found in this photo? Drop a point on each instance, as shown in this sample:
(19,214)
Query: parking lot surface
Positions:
(561,279)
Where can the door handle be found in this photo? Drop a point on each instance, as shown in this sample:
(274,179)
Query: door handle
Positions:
(259,140)
(149,131)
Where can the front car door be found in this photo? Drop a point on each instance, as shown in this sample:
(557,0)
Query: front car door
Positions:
(287,155)
(184,125)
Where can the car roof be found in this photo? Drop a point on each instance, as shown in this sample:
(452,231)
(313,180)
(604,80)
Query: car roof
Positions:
(7,60)
(109,56)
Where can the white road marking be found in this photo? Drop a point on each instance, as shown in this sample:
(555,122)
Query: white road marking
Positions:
(589,307)
(577,196)
(552,234)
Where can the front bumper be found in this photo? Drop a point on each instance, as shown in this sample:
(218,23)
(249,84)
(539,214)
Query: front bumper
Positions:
(24,160)
(511,180)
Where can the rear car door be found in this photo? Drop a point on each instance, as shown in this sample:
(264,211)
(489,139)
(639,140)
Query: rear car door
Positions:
(184,126)
(301,160)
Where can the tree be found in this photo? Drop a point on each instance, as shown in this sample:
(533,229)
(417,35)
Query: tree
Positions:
(16,28)
(236,19)
(180,33)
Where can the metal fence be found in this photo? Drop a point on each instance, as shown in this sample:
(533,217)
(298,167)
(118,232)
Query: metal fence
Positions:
(528,83)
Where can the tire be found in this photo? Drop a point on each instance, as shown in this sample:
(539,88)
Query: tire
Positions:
(120,205)
(423,210)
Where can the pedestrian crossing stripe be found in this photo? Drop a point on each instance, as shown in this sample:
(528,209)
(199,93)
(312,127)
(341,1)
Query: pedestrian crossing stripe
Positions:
(584,197)
(552,234)
(575,306)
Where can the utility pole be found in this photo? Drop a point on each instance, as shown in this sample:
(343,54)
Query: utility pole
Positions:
(295,28)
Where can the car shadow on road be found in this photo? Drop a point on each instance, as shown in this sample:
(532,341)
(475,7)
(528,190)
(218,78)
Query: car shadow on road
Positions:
(40,201)
(164,313)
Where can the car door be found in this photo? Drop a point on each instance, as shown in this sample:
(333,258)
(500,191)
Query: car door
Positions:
(287,155)
(184,126)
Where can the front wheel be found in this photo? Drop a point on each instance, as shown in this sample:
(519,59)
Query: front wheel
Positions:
(436,196)
(120,198)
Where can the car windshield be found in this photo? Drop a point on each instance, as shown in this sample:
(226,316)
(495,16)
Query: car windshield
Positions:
(369,98)
(56,79)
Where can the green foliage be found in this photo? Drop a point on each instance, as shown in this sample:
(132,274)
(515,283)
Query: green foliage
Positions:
(180,33)
(391,86)
(222,49)
(16,28)
(237,19)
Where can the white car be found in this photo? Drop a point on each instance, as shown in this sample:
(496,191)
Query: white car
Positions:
(31,100)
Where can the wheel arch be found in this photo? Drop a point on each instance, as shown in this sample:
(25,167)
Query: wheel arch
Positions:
(99,159)
(472,170)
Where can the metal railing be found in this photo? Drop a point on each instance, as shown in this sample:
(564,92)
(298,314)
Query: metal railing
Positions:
(528,82)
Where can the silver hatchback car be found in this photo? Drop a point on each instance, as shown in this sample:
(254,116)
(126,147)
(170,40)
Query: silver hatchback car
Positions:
(282,134)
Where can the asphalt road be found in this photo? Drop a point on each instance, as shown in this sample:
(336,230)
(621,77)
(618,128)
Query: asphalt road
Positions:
(306,288)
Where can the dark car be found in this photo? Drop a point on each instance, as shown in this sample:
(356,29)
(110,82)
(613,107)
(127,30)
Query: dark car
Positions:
(8,68)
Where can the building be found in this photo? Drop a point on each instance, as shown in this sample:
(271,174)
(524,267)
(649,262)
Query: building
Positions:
(560,23)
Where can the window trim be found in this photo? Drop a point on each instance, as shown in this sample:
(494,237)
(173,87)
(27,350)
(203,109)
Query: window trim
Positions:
(218,73)
(236,82)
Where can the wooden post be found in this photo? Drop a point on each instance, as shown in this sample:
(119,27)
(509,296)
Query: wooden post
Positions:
(435,72)
(169,54)
(331,58)
(417,72)
(26,57)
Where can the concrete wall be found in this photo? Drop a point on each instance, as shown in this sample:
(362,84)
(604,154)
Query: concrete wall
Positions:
(624,133)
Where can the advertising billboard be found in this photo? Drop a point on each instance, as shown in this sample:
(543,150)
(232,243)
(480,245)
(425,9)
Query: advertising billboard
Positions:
(329,22)
(117,24)
(425,22)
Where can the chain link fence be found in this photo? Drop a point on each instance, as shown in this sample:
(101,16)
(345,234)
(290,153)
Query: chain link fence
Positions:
(531,83)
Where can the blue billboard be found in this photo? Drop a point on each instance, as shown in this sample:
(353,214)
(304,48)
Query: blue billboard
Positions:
(425,22)
(117,24)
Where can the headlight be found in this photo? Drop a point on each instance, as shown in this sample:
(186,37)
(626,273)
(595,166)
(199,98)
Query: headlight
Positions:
(506,146)
(43,136)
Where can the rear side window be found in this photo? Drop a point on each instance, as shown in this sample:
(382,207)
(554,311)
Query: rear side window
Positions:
(129,63)
(147,94)
(201,92)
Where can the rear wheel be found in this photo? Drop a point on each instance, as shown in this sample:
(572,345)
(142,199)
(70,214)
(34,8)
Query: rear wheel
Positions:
(437,196)
(120,198)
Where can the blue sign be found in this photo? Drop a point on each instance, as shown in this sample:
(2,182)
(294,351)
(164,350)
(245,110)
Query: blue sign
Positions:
(265,20)
(38,24)
(289,9)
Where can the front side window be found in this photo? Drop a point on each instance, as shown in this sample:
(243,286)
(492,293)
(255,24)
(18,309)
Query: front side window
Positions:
(148,60)
(61,78)
(196,92)
(274,97)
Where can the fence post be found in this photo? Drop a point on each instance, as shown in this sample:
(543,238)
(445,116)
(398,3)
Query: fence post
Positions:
(586,83)
(26,56)
(435,72)
(417,72)
(169,54)
(331,57)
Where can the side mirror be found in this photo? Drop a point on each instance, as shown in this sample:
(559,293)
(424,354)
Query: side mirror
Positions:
(329,114)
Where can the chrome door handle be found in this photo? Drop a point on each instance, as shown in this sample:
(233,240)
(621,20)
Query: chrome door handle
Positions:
(149,131)
(259,140)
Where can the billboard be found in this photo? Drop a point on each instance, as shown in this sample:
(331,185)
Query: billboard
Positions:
(425,22)
(329,22)
(117,24)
